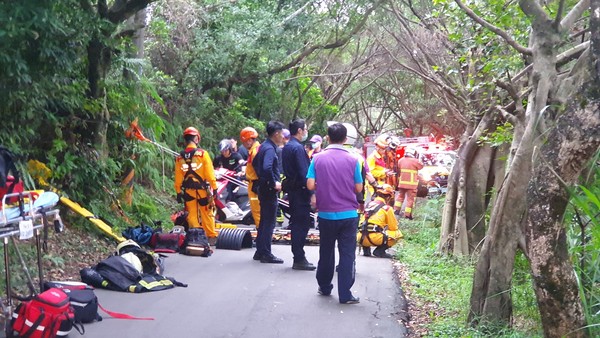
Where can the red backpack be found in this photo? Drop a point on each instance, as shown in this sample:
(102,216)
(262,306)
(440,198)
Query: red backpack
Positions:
(47,315)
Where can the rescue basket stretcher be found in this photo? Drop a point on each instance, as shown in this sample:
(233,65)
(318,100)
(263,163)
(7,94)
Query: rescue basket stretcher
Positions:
(33,212)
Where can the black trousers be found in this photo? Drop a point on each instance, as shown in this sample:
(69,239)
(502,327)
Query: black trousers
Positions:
(299,221)
(268,212)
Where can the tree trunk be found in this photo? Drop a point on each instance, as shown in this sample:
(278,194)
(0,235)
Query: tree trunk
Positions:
(99,61)
(476,197)
(573,142)
(491,299)
(99,58)
(454,237)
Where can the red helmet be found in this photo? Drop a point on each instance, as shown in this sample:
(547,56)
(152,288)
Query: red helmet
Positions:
(248,133)
(191,131)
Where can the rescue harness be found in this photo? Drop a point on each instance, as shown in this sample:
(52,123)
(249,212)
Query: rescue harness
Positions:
(193,181)
(364,228)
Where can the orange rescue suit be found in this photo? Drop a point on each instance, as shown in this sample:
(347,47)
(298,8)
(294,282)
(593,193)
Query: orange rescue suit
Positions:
(408,181)
(252,178)
(198,201)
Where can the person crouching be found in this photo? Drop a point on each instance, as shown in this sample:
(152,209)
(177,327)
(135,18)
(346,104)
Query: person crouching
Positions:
(380,227)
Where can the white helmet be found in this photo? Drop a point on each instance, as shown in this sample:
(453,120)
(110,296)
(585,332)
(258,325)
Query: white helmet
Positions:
(410,152)
(351,133)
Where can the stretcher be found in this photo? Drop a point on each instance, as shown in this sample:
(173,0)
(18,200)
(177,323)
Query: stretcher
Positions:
(32,213)
(97,221)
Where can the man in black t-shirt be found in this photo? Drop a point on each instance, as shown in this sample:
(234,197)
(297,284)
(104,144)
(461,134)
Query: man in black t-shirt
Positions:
(230,160)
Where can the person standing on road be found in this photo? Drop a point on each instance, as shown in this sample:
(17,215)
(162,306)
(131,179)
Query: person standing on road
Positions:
(266,165)
(286,138)
(195,184)
(336,177)
(248,136)
(376,161)
(408,182)
(295,167)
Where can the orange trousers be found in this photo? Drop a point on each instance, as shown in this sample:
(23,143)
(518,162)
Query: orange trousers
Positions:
(201,216)
(409,195)
(254,204)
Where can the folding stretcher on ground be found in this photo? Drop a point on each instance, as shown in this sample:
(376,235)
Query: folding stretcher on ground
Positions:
(32,213)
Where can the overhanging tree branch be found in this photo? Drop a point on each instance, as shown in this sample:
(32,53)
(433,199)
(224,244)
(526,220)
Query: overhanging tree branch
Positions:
(521,49)
(575,13)
(338,43)
(534,10)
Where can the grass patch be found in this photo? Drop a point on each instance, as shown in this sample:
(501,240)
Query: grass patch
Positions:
(439,287)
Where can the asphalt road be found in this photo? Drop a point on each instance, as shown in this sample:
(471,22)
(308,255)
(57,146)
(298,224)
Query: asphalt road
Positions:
(230,295)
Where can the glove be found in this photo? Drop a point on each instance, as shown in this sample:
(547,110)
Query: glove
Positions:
(180,197)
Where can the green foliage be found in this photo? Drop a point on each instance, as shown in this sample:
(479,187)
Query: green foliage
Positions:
(583,229)
(444,283)
(503,134)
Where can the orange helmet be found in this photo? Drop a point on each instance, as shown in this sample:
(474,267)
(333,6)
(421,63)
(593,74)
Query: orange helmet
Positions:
(386,189)
(382,141)
(248,133)
(191,131)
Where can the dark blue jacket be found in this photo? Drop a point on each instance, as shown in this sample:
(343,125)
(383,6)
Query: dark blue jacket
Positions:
(295,163)
(266,165)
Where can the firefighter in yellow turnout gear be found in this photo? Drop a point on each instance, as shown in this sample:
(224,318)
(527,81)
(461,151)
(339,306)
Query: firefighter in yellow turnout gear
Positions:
(195,183)
(248,137)
(380,227)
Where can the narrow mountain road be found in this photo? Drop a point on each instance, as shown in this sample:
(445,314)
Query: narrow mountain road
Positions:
(230,295)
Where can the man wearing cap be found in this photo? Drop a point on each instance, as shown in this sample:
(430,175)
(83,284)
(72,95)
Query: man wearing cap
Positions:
(295,167)
(314,143)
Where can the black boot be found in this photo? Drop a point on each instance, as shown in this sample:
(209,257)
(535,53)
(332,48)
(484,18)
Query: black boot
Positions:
(366,251)
(303,264)
(380,252)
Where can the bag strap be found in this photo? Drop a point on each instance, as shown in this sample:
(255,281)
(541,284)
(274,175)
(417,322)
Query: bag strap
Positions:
(35,324)
(119,315)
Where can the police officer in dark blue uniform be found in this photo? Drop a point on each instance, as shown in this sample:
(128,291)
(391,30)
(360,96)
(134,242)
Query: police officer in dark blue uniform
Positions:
(267,167)
(295,166)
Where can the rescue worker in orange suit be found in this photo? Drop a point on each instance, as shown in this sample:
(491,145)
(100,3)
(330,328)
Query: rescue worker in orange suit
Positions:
(248,137)
(195,184)
(376,161)
(380,228)
(408,181)
(391,161)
